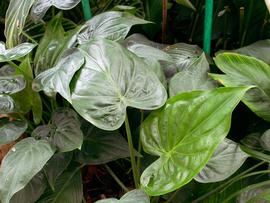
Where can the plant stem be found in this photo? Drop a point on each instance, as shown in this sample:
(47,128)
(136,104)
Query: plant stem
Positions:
(171,197)
(116,178)
(14,65)
(164,20)
(250,7)
(132,155)
(140,143)
(29,37)
(208,26)
(86,10)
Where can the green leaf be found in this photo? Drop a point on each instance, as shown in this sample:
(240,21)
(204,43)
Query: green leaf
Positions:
(113,85)
(21,164)
(15,19)
(226,160)
(53,44)
(57,79)
(100,147)
(195,77)
(16,52)
(255,195)
(56,166)
(11,131)
(130,197)
(11,84)
(184,134)
(265,140)
(32,191)
(7,104)
(111,25)
(68,189)
(186,3)
(243,70)
(63,132)
(40,7)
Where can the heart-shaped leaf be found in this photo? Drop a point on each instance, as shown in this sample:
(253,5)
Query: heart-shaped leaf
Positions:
(11,84)
(226,160)
(40,7)
(15,19)
(16,52)
(11,131)
(7,104)
(243,70)
(184,134)
(64,131)
(195,77)
(21,164)
(130,197)
(111,25)
(57,79)
(112,85)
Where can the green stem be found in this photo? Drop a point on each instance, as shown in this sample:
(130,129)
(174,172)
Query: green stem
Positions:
(116,178)
(140,143)
(27,121)
(132,154)
(172,197)
(29,37)
(86,9)
(259,155)
(250,7)
(14,65)
(208,26)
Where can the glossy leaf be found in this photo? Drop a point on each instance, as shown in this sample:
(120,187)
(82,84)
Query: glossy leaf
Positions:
(186,3)
(11,84)
(63,132)
(111,25)
(57,79)
(40,7)
(53,44)
(32,191)
(16,52)
(7,104)
(56,166)
(226,160)
(68,189)
(11,131)
(184,134)
(113,85)
(21,164)
(15,19)
(130,197)
(100,147)
(243,70)
(195,77)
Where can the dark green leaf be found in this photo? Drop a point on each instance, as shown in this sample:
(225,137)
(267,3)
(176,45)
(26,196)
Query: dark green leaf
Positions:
(112,85)
(243,70)
(11,131)
(184,134)
(111,25)
(16,52)
(226,160)
(21,164)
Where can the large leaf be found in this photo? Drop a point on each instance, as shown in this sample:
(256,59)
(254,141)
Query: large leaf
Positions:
(11,131)
(32,191)
(7,104)
(16,52)
(68,189)
(243,70)
(111,25)
(53,44)
(112,85)
(130,197)
(57,79)
(21,164)
(195,77)
(40,7)
(184,134)
(63,132)
(100,147)
(56,166)
(226,160)
(15,19)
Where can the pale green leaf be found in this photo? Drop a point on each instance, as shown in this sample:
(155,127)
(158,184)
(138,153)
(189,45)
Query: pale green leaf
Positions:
(7,104)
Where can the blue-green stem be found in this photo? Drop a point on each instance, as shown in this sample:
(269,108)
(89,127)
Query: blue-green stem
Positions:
(208,18)
(86,10)
(132,154)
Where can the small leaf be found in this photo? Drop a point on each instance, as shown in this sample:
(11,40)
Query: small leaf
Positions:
(11,84)
(7,104)
(113,85)
(21,164)
(64,131)
(11,131)
(186,3)
(15,19)
(111,25)
(15,53)
(40,7)
(57,79)
(195,77)
(226,160)
(130,197)
(243,70)
(185,145)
